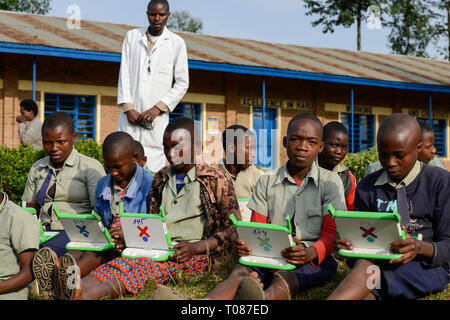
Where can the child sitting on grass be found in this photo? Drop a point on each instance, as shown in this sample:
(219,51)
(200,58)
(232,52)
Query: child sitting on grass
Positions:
(335,139)
(239,145)
(302,190)
(421,195)
(19,240)
(197,199)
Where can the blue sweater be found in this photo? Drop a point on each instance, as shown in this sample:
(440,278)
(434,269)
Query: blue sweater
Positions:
(136,200)
(429,196)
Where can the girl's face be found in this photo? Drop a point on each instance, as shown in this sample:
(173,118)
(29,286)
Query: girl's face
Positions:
(58,142)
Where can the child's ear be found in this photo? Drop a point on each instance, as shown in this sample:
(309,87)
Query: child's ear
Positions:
(419,146)
(321,145)
(135,157)
(285,141)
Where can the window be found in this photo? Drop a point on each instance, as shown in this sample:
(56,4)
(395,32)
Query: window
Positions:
(266,148)
(439,135)
(81,108)
(190,110)
(363,131)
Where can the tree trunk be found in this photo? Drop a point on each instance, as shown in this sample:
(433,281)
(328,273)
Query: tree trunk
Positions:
(448,29)
(358,27)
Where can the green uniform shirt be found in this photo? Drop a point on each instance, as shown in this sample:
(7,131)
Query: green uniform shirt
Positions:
(75,186)
(184,212)
(277,195)
(19,231)
(245,181)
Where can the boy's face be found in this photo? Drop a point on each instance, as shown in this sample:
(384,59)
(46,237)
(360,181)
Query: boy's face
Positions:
(27,115)
(398,154)
(427,150)
(58,142)
(335,148)
(303,143)
(178,148)
(121,165)
(246,149)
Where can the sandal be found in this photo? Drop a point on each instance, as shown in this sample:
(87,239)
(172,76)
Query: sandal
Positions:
(249,289)
(45,267)
(70,278)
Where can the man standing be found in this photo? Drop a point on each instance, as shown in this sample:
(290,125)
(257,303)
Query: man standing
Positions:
(152,60)
(29,124)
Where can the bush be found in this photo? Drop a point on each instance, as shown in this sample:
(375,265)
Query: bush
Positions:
(15,163)
(358,162)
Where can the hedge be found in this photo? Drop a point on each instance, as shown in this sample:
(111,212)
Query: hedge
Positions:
(16,162)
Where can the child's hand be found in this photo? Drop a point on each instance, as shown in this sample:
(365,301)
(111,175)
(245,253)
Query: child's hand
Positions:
(117,237)
(243,249)
(341,244)
(410,248)
(298,255)
(184,251)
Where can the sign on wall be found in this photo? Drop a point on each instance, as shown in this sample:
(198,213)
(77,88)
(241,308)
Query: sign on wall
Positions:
(276,103)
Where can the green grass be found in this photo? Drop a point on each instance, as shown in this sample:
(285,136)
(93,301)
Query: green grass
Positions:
(200,285)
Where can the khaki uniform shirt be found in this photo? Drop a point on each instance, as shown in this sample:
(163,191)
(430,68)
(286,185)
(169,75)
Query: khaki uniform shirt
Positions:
(19,231)
(277,195)
(184,212)
(30,133)
(245,181)
(75,186)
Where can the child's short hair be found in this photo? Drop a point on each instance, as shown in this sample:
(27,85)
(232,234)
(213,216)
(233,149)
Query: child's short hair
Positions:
(57,119)
(302,116)
(29,105)
(155,2)
(331,127)
(232,129)
(187,124)
(118,140)
(424,127)
(139,149)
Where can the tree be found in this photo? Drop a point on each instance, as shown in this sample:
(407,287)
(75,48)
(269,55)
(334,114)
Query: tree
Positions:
(344,13)
(411,29)
(183,21)
(442,27)
(29,6)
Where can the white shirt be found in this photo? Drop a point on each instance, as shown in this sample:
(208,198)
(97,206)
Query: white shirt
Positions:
(168,61)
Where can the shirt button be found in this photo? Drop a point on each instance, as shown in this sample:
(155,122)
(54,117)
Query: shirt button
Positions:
(174,201)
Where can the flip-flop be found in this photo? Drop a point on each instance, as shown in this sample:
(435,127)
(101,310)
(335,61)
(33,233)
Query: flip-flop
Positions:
(166,293)
(45,268)
(249,289)
(70,278)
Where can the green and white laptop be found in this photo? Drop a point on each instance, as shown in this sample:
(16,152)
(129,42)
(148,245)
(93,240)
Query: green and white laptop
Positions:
(267,241)
(85,231)
(370,233)
(146,235)
(45,235)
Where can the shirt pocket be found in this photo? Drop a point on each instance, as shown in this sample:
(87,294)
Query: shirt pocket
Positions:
(164,73)
(314,221)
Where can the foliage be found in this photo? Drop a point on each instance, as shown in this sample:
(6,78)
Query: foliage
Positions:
(358,162)
(183,21)
(15,163)
(29,6)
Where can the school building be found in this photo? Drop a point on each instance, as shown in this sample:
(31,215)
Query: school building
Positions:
(257,84)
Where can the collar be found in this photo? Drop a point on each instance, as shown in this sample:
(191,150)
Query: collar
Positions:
(339,168)
(5,200)
(191,173)
(313,174)
(384,177)
(132,188)
(71,160)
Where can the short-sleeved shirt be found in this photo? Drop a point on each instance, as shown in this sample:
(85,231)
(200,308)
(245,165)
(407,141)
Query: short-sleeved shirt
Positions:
(30,133)
(277,195)
(185,215)
(244,182)
(19,231)
(75,186)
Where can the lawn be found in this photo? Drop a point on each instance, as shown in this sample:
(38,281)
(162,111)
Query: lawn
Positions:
(199,286)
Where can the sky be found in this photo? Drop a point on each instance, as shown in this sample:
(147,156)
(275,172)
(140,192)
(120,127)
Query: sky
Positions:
(280,21)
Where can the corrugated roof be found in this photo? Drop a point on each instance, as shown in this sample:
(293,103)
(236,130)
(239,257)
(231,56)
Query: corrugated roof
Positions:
(50,31)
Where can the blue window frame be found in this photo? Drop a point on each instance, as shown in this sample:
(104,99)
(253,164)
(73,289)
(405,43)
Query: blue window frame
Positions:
(363,130)
(81,108)
(190,110)
(439,129)
(266,149)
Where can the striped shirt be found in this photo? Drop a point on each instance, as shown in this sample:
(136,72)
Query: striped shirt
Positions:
(19,231)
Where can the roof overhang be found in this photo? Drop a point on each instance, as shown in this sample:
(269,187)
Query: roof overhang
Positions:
(38,50)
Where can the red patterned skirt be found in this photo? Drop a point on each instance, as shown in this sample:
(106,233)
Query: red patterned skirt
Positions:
(135,273)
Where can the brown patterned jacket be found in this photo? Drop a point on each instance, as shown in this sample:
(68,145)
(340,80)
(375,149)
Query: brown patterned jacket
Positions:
(218,200)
